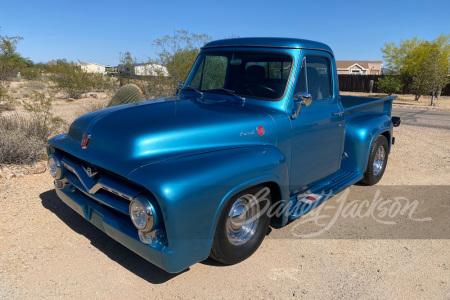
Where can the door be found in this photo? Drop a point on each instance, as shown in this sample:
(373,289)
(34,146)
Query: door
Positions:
(317,132)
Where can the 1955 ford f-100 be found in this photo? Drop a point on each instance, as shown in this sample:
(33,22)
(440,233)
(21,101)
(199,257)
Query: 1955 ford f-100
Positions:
(181,178)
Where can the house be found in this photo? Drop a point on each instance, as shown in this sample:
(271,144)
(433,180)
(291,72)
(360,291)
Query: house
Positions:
(92,68)
(144,69)
(358,67)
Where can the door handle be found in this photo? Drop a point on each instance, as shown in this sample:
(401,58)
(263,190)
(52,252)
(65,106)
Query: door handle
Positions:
(338,113)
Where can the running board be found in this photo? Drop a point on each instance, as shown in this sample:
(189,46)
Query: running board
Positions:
(307,200)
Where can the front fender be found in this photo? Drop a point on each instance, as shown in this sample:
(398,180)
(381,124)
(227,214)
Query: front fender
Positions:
(359,135)
(192,191)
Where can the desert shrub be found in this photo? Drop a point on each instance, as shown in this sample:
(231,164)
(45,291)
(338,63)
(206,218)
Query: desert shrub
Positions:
(39,107)
(91,107)
(100,83)
(23,136)
(389,84)
(156,86)
(6,102)
(30,73)
(70,79)
(127,94)
(36,85)
(19,139)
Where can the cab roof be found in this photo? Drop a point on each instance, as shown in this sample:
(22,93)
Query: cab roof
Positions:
(267,42)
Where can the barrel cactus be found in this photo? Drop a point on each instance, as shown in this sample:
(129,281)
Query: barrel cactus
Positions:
(127,94)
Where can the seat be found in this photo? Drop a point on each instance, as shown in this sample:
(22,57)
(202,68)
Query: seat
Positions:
(255,74)
(253,83)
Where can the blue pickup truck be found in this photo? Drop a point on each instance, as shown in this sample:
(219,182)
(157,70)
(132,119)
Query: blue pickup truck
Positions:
(257,134)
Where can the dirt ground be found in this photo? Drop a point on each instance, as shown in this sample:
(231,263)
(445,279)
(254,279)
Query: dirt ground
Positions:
(48,251)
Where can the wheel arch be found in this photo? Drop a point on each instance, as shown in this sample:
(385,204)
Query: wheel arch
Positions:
(359,136)
(272,183)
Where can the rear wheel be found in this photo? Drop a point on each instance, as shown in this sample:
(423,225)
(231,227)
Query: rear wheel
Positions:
(242,226)
(378,157)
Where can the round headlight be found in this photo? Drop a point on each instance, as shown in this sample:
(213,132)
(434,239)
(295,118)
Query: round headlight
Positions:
(142,214)
(54,166)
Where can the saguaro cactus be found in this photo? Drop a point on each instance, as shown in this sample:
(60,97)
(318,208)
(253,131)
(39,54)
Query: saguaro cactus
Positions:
(127,94)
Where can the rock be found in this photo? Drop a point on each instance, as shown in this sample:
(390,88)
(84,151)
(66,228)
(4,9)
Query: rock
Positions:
(70,99)
(10,175)
(38,168)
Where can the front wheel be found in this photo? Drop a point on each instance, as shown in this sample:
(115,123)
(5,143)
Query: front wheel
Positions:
(242,226)
(378,157)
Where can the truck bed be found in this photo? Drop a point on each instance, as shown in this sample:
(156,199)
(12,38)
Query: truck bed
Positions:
(365,105)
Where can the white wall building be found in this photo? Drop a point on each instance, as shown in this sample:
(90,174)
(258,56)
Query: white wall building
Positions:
(92,68)
(146,69)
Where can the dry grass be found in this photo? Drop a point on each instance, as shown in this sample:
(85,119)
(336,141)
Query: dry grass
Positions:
(90,107)
(20,140)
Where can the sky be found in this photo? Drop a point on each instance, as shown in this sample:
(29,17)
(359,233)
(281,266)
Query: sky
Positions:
(96,31)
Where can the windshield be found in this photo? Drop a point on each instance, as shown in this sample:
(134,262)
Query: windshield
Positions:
(246,74)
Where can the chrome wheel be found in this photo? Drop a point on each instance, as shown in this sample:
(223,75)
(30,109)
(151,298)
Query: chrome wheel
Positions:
(242,219)
(378,161)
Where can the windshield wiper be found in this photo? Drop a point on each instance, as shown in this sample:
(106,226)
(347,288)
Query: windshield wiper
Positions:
(230,92)
(186,87)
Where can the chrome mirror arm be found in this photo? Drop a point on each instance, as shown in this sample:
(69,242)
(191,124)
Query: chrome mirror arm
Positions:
(303,99)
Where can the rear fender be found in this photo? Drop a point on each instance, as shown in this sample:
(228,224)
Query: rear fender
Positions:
(359,136)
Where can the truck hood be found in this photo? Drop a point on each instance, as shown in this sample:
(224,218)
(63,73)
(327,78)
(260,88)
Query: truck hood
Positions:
(126,137)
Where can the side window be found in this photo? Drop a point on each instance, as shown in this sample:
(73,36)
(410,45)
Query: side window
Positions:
(317,76)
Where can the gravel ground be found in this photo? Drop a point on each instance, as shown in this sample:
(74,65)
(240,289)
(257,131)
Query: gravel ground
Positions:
(48,251)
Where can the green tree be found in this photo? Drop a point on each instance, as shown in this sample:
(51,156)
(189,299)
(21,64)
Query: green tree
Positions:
(179,51)
(126,67)
(10,59)
(407,58)
(433,71)
(389,84)
(10,63)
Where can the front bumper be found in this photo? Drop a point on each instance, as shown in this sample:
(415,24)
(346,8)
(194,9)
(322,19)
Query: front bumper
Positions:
(115,225)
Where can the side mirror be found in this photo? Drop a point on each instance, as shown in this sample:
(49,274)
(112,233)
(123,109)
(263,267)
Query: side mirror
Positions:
(179,87)
(303,99)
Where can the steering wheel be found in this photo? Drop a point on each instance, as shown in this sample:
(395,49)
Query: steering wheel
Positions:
(260,86)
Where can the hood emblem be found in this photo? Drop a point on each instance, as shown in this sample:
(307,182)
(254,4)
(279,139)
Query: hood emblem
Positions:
(85,140)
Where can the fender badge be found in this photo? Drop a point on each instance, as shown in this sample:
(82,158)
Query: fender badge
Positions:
(85,140)
(261,130)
